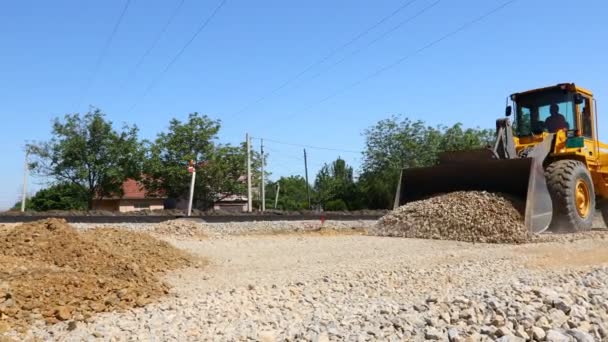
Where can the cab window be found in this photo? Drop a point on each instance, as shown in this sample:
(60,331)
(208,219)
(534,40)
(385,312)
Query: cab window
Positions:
(546,110)
(585,109)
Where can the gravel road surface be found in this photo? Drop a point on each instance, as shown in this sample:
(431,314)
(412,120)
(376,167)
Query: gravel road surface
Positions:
(344,286)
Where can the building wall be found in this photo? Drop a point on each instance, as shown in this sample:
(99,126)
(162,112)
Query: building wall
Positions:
(106,205)
(237,207)
(127,205)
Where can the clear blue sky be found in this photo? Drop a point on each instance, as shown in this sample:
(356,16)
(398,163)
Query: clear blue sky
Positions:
(50,50)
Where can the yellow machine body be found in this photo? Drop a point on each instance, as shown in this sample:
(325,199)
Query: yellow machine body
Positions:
(517,163)
(593,152)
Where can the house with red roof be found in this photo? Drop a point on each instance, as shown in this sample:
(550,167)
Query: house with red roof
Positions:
(134,198)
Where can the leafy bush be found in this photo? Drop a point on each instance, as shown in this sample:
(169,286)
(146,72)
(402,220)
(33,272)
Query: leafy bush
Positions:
(336,205)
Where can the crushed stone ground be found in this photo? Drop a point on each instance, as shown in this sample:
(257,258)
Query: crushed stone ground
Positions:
(50,271)
(180,228)
(334,285)
(307,287)
(471,216)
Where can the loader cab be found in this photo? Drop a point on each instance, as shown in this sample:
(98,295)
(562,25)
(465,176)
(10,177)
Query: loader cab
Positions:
(565,109)
(546,110)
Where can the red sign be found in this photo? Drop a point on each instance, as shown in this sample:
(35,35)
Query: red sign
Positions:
(190,169)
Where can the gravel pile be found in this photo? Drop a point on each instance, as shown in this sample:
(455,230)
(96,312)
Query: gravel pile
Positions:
(471,216)
(51,272)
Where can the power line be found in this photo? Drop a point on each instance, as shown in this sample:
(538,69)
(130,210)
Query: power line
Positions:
(325,58)
(282,155)
(377,39)
(408,56)
(157,39)
(308,146)
(103,53)
(204,24)
(293,167)
(275,155)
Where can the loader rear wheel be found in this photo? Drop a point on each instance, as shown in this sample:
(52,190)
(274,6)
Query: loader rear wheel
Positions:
(572,196)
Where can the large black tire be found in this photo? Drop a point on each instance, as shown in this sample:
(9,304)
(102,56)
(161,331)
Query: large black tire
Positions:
(563,178)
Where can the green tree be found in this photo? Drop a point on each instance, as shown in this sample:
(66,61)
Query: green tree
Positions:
(225,173)
(17,206)
(455,138)
(62,196)
(220,168)
(335,188)
(292,193)
(168,157)
(87,152)
(396,143)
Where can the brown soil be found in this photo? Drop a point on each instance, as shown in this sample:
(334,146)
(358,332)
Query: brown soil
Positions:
(7,226)
(50,271)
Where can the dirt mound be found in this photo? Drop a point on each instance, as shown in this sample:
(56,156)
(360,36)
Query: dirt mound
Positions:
(472,216)
(52,272)
(139,248)
(181,228)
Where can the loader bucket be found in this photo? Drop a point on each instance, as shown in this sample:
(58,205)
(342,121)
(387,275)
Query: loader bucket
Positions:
(521,178)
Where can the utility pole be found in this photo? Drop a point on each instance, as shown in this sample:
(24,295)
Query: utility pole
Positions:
(306,174)
(276,197)
(248,172)
(263,185)
(24,194)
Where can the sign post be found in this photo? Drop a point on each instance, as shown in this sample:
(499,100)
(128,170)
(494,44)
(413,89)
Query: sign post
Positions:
(192,170)
(24,193)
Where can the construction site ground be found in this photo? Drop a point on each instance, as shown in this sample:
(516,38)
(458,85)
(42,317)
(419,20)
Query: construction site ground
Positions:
(339,284)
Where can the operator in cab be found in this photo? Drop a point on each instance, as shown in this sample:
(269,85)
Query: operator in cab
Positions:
(555,121)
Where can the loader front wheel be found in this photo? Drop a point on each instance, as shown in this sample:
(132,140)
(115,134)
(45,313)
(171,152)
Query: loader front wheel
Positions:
(572,196)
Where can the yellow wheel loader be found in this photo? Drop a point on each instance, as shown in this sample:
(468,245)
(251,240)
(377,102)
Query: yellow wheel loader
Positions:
(549,157)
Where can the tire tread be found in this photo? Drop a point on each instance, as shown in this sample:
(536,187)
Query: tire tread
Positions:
(560,181)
